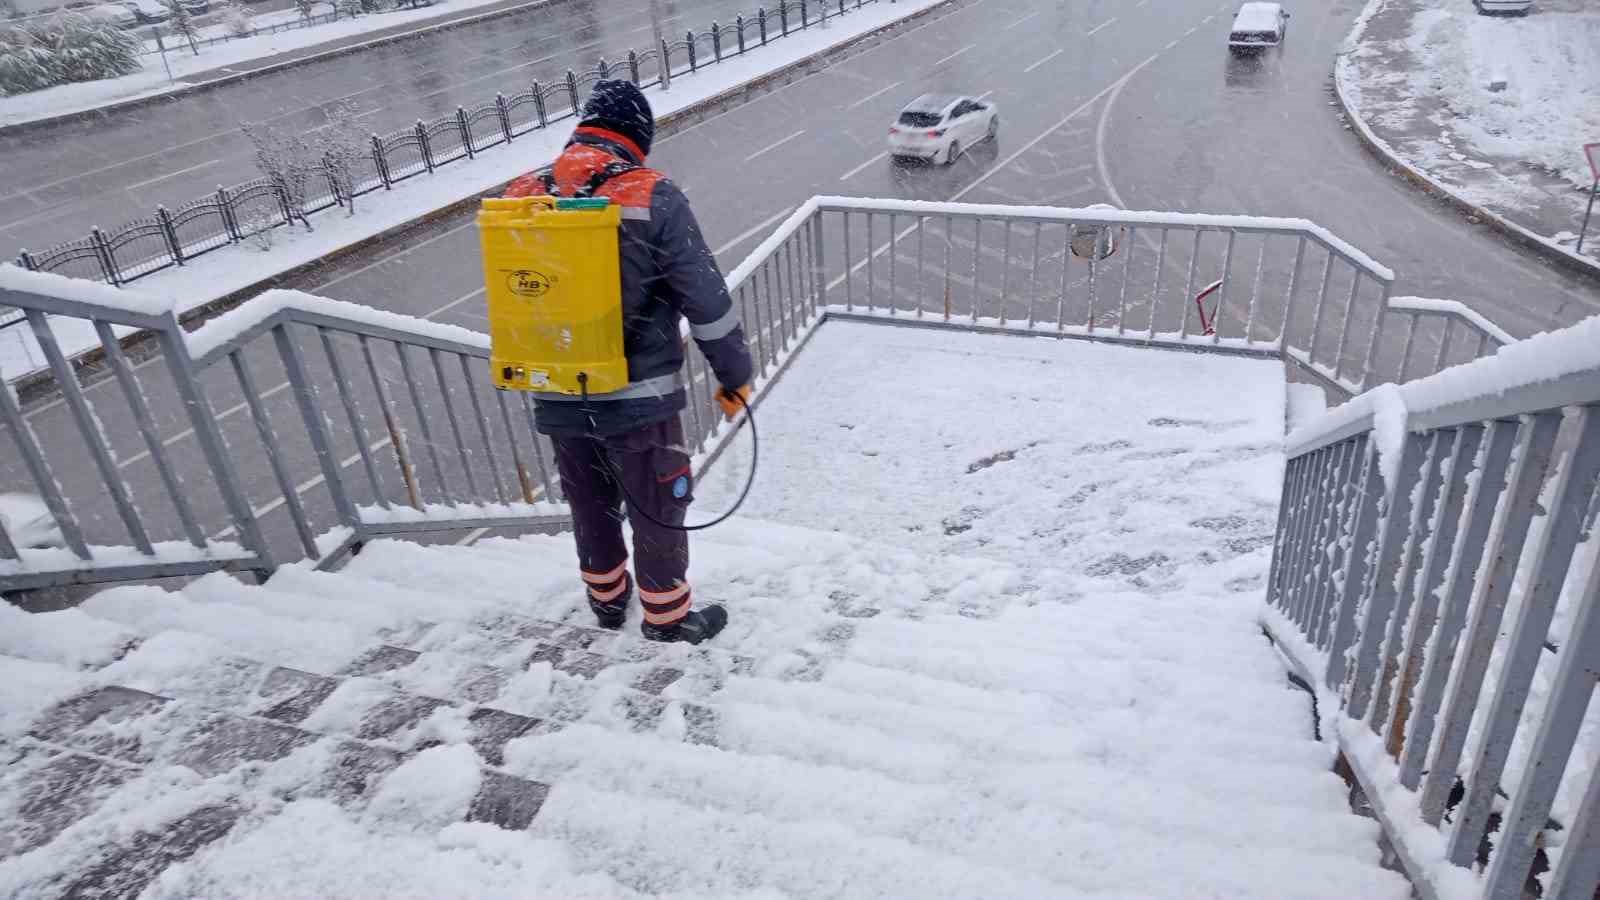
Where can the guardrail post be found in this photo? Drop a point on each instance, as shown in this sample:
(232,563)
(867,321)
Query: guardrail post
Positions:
(108,263)
(690,42)
(422,144)
(633,67)
(761,22)
(1372,342)
(572,91)
(716,40)
(170,233)
(26,259)
(602,68)
(466,131)
(805,15)
(783,16)
(841,7)
(538,104)
(305,395)
(381,163)
(738,24)
(504,112)
(229,219)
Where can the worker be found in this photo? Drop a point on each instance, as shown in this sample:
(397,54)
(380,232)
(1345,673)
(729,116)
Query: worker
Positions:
(634,433)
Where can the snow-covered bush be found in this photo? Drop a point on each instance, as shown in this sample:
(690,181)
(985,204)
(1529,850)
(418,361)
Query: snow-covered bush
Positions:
(63,48)
(180,23)
(237,19)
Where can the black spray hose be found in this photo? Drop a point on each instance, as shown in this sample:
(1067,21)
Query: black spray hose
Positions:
(633,505)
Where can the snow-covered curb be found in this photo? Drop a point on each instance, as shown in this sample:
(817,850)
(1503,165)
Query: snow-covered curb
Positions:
(51,107)
(218,278)
(1345,85)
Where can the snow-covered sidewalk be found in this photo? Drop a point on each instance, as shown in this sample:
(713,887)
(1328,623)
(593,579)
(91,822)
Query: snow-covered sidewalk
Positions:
(1418,76)
(1003,643)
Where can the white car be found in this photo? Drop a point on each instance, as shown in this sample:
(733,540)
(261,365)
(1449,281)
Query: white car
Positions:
(1257,26)
(149,12)
(1503,7)
(937,127)
(110,13)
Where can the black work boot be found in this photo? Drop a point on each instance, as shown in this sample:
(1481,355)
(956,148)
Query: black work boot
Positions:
(611,613)
(699,625)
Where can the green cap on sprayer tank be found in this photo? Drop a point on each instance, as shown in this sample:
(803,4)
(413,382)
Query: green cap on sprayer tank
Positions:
(583,203)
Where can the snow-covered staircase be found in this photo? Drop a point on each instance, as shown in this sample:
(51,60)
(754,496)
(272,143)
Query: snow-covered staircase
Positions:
(1021,661)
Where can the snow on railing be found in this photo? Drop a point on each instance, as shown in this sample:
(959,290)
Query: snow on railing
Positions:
(1435,577)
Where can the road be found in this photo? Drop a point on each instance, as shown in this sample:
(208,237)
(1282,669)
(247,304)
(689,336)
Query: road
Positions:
(1136,104)
(57,182)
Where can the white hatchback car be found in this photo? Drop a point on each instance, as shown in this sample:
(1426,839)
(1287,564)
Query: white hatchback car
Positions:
(1257,26)
(937,127)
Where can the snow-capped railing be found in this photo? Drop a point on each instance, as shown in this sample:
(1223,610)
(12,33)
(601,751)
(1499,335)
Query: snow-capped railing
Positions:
(136,553)
(324,403)
(1436,579)
(1281,286)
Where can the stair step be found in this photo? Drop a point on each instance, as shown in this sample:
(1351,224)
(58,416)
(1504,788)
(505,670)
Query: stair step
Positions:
(126,868)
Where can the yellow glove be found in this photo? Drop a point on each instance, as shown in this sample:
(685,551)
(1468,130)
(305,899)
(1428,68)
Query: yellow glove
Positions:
(729,403)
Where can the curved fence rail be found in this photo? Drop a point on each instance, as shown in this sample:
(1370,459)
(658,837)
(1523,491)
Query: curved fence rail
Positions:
(131,251)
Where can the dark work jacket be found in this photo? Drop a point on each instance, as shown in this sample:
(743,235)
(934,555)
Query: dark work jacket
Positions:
(667,272)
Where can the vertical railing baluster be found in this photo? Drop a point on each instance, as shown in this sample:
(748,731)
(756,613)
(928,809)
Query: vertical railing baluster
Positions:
(133,392)
(397,437)
(1358,564)
(1316,315)
(849,266)
(1392,542)
(524,479)
(94,437)
(1033,273)
(893,252)
(1288,295)
(1005,270)
(552,488)
(949,241)
(1155,288)
(1405,356)
(483,428)
(1127,275)
(871,285)
(922,284)
(1344,326)
(1066,267)
(1340,502)
(269,444)
(357,428)
(1368,365)
(1187,299)
(1430,581)
(44,480)
(305,395)
(1466,555)
(977,249)
(1570,491)
(1444,346)
(455,425)
(446,494)
(1255,291)
(1419,533)
(1222,293)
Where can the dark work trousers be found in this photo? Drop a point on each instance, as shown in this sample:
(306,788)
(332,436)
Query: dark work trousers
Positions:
(654,463)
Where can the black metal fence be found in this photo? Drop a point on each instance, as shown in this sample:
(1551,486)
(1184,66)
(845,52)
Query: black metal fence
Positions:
(230,215)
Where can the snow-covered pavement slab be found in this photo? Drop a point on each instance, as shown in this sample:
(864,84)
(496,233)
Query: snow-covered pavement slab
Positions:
(994,634)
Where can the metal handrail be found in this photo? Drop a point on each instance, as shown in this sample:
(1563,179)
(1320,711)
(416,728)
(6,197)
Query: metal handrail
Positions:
(1407,521)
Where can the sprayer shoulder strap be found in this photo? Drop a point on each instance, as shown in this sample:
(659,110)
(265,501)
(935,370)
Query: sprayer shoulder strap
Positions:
(600,177)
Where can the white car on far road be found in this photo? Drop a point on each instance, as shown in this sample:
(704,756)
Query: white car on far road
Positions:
(937,127)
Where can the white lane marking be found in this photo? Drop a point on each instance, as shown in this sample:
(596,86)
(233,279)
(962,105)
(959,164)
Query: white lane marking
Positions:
(753,230)
(472,536)
(1172,43)
(1090,32)
(774,145)
(953,55)
(399,252)
(985,95)
(256,512)
(859,169)
(1043,61)
(1023,19)
(206,164)
(874,95)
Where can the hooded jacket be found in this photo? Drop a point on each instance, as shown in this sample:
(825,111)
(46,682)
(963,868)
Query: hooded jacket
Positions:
(667,272)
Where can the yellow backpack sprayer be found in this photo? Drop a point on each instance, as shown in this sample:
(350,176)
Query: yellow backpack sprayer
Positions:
(553,279)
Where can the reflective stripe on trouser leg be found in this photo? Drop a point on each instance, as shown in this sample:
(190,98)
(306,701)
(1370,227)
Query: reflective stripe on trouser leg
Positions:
(655,465)
(596,503)
(665,607)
